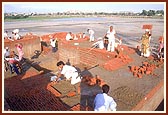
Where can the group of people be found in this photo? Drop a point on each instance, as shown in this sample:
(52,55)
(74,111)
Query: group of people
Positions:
(102,101)
(108,42)
(15,34)
(12,60)
(71,36)
(145,45)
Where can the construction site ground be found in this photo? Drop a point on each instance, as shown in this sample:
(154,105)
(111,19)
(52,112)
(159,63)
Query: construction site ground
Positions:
(33,91)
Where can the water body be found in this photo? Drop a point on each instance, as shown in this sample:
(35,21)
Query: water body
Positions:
(126,28)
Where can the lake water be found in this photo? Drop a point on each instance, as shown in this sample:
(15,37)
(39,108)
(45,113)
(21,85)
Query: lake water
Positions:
(127,28)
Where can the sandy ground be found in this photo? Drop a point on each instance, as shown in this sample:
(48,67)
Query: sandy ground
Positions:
(130,29)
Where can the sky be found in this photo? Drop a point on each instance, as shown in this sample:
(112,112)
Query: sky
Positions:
(50,7)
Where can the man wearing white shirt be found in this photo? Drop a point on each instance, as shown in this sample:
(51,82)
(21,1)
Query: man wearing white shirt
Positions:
(69,72)
(91,33)
(103,102)
(111,39)
(53,44)
(15,31)
(16,35)
(69,36)
(99,43)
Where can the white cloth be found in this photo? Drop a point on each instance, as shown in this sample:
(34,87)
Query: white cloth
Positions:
(17,37)
(111,40)
(15,31)
(100,44)
(6,53)
(53,78)
(70,72)
(75,38)
(52,42)
(68,37)
(91,33)
(147,53)
(103,102)
(83,36)
(5,35)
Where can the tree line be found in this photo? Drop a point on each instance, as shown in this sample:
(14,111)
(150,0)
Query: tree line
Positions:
(152,12)
(143,13)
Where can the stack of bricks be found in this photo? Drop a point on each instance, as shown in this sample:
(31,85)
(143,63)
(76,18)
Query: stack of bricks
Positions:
(117,62)
(91,81)
(139,71)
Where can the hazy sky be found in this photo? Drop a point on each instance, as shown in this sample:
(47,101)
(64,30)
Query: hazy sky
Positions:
(45,7)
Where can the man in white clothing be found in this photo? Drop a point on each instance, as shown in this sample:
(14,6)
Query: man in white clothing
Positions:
(53,43)
(99,44)
(103,102)
(69,72)
(15,31)
(69,36)
(16,35)
(91,33)
(111,39)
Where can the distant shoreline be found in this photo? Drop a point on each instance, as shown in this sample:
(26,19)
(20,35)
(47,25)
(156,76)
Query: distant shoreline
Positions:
(46,17)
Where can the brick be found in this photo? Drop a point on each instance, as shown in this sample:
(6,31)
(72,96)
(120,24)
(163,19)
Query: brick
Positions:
(71,94)
(139,75)
(147,26)
(148,72)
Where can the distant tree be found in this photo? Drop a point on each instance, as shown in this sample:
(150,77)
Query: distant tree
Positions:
(144,13)
(95,13)
(151,12)
(160,12)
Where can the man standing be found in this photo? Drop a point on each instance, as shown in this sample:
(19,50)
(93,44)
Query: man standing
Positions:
(19,48)
(53,43)
(103,102)
(145,39)
(91,33)
(111,39)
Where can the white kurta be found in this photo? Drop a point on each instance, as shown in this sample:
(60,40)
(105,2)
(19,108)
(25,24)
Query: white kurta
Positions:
(70,72)
(103,102)
(111,40)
